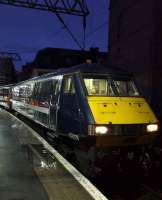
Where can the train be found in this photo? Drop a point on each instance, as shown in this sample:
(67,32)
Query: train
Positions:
(93,106)
(5,96)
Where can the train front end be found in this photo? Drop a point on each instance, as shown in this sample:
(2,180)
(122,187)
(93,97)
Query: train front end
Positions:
(121,117)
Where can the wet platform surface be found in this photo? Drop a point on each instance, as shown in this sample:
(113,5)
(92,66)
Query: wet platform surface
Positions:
(28,171)
(18,180)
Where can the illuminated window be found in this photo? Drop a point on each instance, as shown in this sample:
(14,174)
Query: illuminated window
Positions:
(99,87)
(126,88)
(69,85)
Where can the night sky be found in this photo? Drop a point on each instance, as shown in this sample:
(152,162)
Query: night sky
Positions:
(25,31)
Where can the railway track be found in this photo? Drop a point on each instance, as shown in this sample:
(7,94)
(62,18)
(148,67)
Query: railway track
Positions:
(149,193)
(145,193)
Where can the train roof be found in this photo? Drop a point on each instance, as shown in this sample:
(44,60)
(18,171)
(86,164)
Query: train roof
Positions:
(85,68)
(91,68)
(6,86)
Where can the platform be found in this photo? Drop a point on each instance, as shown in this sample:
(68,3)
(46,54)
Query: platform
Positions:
(30,169)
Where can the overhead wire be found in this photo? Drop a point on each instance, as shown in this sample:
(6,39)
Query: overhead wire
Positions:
(97,29)
(66,26)
(102,25)
(69,31)
(84,33)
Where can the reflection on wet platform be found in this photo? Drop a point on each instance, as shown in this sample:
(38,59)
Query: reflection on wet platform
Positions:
(57,182)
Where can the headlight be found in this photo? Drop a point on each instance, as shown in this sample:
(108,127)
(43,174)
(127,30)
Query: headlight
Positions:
(101,130)
(152,127)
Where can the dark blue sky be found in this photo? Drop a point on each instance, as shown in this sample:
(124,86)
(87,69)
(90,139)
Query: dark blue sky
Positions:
(25,31)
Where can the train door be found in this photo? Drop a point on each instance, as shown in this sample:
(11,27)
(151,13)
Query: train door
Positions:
(54,104)
(69,117)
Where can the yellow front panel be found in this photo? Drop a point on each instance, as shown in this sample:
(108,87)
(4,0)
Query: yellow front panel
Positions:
(121,110)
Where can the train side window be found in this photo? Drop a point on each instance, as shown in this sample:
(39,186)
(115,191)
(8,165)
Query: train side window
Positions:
(69,85)
(49,89)
(36,91)
(29,90)
(44,92)
(21,91)
(41,92)
(15,92)
(54,87)
(54,90)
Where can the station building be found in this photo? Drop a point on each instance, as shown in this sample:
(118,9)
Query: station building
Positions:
(7,71)
(135,43)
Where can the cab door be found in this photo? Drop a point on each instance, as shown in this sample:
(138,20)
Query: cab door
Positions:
(69,112)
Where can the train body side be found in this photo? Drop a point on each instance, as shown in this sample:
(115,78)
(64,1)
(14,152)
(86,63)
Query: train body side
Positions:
(35,98)
(54,102)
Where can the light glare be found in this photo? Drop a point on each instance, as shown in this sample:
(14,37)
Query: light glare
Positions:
(152,127)
(101,130)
